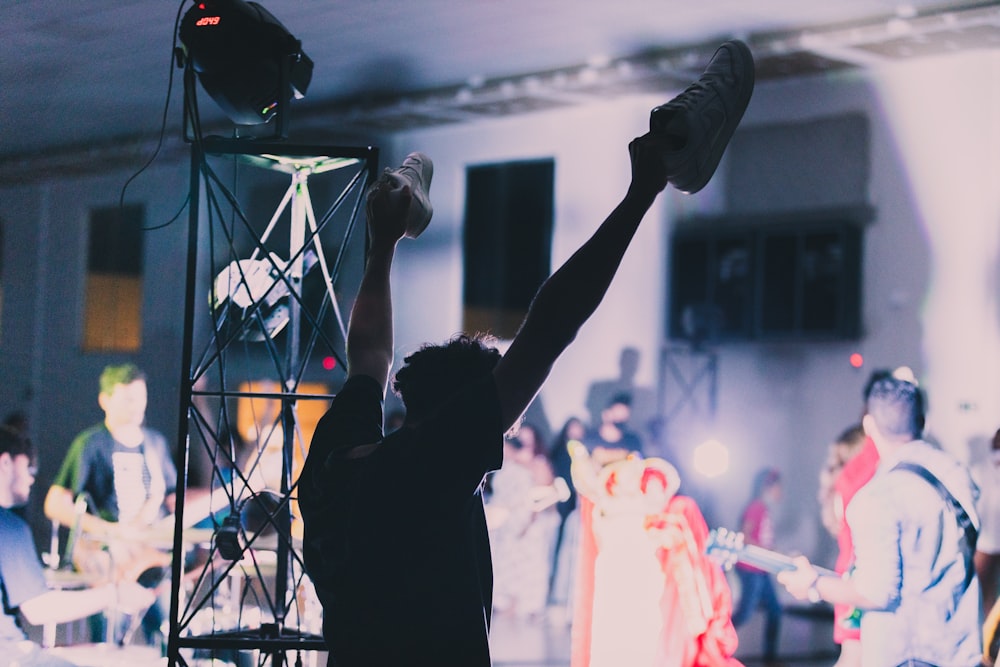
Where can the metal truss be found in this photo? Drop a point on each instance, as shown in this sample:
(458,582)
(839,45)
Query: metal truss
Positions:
(263,345)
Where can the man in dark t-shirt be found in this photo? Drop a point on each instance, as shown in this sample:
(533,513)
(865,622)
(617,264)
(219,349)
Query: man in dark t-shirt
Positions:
(24,591)
(124,474)
(395,535)
(414,552)
(611,440)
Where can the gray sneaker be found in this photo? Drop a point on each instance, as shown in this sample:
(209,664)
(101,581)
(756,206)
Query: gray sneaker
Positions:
(416,171)
(701,120)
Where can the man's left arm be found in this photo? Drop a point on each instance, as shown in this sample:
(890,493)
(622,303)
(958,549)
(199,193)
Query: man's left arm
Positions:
(370,329)
(805,583)
(876,580)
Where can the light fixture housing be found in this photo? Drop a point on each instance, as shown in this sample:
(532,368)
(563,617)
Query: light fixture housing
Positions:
(245,59)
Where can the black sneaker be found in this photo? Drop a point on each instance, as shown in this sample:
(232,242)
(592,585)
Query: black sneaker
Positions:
(701,120)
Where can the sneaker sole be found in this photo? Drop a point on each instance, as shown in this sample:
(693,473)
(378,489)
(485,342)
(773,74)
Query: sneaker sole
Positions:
(742,57)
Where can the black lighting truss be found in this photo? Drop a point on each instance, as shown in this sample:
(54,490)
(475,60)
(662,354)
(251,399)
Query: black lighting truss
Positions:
(264,340)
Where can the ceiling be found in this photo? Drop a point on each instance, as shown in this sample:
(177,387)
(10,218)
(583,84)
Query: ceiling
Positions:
(82,77)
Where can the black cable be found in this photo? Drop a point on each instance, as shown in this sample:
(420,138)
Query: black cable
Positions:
(163,130)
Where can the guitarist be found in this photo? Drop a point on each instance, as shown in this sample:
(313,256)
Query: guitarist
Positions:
(117,479)
(914,527)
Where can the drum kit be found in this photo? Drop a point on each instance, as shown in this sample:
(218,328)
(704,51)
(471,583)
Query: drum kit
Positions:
(219,594)
(144,558)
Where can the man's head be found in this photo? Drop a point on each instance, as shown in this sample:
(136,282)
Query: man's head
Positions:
(123,395)
(876,375)
(619,410)
(434,372)
(628,363)
(895,412)
(17,467)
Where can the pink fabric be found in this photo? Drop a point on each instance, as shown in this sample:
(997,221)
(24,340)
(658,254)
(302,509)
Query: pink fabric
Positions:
(685,567)
(856,473)
(583,606)
(757,529)
(716,644)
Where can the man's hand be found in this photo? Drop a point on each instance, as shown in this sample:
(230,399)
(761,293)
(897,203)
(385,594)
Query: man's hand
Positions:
(800,580)
(649,175)
(388,202)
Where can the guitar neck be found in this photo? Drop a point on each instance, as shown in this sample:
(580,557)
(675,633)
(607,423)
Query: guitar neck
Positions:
(772,561)
(730,548)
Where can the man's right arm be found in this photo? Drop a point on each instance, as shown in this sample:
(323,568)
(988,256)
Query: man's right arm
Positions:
(571,295)
(61,508)
(65,606)
(369,332)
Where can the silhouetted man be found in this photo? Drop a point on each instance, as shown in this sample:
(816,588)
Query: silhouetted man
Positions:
(395,535)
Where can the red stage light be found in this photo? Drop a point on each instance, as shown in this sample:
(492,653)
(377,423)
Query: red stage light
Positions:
(857,361)
(329,363)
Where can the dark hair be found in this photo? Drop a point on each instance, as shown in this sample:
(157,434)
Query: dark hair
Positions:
(897,406)
(112,376)
(435,372)
(538,448)
(13,442)
(764,480)
(622,398)
(876,375)
(852,435)
(557,448)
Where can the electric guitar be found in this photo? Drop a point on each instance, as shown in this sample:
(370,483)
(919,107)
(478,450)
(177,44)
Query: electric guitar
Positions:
(729,547)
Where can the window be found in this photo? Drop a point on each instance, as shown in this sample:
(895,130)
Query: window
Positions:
(790,278)
(508,243)
(112,319)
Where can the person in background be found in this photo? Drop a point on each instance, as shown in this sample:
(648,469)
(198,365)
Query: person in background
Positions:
(611,440)
(117,481)
(23,586)
(847,446)
(568,531)
(642,400)
(914,531)
(853,475)
(368,499)
(756,585)
(986,474)
(523,521)
(649,595)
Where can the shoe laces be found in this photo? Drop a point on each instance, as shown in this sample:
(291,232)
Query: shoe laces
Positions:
(690,97)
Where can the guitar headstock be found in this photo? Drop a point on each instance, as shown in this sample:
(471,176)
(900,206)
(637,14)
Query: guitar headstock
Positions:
(726,546)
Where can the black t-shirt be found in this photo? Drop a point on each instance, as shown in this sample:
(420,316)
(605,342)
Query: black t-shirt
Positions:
(118,479)
(395,541)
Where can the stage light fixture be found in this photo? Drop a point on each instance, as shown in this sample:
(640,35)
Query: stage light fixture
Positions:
(245,59)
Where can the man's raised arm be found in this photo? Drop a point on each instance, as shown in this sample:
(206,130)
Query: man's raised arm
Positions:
(684,146)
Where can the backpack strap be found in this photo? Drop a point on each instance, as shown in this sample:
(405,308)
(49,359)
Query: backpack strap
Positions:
(968,545)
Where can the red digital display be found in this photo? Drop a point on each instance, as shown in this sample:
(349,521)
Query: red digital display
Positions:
(208,20)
